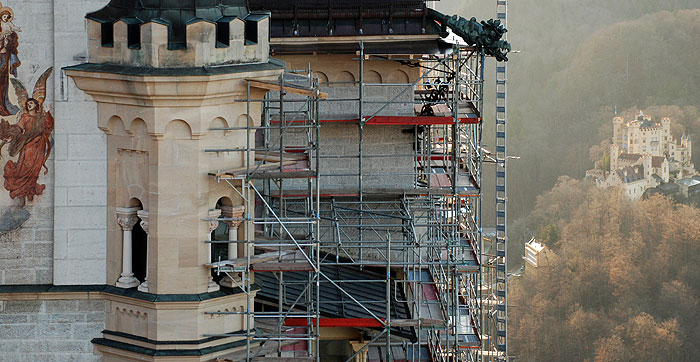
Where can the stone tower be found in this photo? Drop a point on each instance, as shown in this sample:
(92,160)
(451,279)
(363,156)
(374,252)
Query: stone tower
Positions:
(168,78)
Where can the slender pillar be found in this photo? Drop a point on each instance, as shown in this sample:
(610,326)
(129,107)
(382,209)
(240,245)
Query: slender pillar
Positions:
(213,224)
(126,218)
(143,215)
(232,212)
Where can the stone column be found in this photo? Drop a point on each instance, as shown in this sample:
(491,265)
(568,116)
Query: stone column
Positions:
(126,218)
(213,224)
(362,356)
(232,212)
(143,215)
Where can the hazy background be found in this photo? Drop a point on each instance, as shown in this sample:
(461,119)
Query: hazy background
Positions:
(578,62)
(623,282)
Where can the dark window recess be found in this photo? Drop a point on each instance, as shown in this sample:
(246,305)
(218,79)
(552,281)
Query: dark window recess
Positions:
(139,252)
(134,36)
(219,251)
(107,34)
(223,32)
(251,32)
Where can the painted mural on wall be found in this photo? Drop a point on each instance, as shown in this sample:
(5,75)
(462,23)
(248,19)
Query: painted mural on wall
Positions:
(26,128)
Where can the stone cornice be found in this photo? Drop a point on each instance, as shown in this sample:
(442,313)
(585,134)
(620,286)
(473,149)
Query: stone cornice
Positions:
(166,87)
(77,292)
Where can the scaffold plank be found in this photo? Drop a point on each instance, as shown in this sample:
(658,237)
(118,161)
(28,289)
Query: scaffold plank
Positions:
(289,88)
(241,262)
(282,267)
(242,170)
(275,156)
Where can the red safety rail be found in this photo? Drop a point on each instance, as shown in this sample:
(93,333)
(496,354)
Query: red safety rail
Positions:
(399,120)
(336,322)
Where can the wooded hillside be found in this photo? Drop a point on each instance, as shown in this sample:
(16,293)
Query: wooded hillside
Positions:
(624,284)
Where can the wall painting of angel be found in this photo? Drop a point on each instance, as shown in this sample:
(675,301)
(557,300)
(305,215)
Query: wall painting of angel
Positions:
(30,138)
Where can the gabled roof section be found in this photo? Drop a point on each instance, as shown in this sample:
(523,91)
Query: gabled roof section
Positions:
(657,161)
(632,157)
(631,173)
(343,306)
(176,14)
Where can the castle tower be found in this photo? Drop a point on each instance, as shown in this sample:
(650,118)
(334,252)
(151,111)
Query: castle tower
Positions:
(614,153)
(617,130)
(666,138)
(168,77)
(646,162)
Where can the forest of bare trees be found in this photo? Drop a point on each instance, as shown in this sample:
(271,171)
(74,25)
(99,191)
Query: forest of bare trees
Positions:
(624,284)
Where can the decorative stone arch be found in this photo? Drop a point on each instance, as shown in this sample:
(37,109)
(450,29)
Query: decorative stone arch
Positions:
(115,126)
(372,76)
(135,202)
(398,76)
(322,78)
(241,121)
(178,129)
(218,122)
(344,79)
(138,127)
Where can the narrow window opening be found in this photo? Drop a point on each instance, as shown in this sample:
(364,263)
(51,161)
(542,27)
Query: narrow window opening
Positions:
(107,34)
(222,34)
(139,252)
(251,32)
(134,36)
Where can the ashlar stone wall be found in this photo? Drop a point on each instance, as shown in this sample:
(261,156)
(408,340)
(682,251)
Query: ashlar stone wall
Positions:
(50,330)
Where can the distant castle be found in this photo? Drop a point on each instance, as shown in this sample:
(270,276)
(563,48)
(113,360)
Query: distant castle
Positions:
(643,155)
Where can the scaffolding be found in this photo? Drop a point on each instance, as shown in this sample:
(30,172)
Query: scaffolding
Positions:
(331,247)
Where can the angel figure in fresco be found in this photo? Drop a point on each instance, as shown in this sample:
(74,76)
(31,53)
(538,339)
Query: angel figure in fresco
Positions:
(6,24)
(30,137)
(9,61)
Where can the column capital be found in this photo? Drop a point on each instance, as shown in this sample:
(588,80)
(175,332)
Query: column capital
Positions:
(231,212)
(126,217)
(143,215)
(213,224)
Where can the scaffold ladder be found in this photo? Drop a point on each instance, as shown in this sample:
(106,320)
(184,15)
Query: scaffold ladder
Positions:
(501,289)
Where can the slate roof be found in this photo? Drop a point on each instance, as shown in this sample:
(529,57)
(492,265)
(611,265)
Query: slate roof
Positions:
(649,124)
(657,161)
(341,18)
(176,14)
(328,19)
(632,157)
(634,173)
(668,187)
(689,182)
(272,64)
(295,283)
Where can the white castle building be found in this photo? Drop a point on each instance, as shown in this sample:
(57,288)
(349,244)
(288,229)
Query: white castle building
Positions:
(644,154)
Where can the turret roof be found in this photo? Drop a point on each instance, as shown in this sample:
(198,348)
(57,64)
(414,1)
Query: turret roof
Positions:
(176,14)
